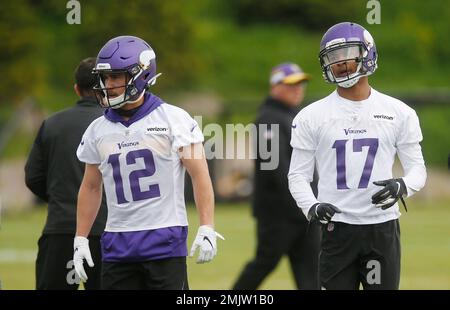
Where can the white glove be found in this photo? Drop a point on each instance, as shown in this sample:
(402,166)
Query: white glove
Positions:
(81,251)
(206,241)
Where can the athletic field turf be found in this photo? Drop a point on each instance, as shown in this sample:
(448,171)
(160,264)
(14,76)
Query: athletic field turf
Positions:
(425,232)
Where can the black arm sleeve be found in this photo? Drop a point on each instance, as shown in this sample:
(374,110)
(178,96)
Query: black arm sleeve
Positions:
(36,167)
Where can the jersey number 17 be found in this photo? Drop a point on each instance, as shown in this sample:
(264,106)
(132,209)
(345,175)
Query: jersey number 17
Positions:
(358,144)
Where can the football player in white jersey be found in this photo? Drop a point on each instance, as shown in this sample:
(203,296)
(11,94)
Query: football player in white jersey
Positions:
(139,149)
(352,137)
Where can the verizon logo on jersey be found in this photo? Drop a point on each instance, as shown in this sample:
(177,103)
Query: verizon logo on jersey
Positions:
(153,129)
(127,144)
(381,116)
(350,131)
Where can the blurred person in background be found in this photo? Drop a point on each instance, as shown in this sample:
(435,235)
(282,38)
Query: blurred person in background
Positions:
(352,136)
(282,229)
(54,173)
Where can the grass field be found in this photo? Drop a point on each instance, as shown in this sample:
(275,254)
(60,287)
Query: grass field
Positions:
(425,249)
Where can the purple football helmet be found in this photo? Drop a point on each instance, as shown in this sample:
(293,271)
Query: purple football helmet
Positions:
(125,54)
(347,42)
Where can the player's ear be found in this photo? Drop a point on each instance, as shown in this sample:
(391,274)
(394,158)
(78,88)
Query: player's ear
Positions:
(77,90)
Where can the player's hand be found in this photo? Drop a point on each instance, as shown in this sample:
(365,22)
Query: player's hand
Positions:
(80,252)
(323,212)
(393,190)
(206,242)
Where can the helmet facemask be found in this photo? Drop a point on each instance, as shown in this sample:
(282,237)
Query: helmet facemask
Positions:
(130,93)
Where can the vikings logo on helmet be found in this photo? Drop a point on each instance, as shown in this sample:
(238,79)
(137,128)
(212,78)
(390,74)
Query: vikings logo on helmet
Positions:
(369,39)
(346,42)
(129,55)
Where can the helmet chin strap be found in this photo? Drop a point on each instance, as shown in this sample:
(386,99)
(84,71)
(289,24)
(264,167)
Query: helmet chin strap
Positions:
(120,98)
(114,103)
(349,83)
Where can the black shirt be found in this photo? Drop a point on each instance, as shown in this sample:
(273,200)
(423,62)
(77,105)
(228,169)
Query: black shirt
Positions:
(272,198)
(53,171)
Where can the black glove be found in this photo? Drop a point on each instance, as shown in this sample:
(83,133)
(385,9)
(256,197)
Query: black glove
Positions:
(323,212)
(393,190)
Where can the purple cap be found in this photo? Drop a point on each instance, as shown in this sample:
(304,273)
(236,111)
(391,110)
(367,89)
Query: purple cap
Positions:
(287,73)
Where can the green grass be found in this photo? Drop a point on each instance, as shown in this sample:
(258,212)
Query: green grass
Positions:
(425,249)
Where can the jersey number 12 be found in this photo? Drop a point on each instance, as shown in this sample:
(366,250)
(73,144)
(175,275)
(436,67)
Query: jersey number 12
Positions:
(149,170)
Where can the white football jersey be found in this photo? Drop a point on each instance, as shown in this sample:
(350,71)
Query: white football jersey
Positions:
(143,175)
(355,143)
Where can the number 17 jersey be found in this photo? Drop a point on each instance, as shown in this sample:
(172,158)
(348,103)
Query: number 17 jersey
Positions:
(355,143)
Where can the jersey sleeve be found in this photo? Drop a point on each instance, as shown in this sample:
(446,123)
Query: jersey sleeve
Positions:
(185,130)
(302,136)
(301,172)
(87,149)
(410,131)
